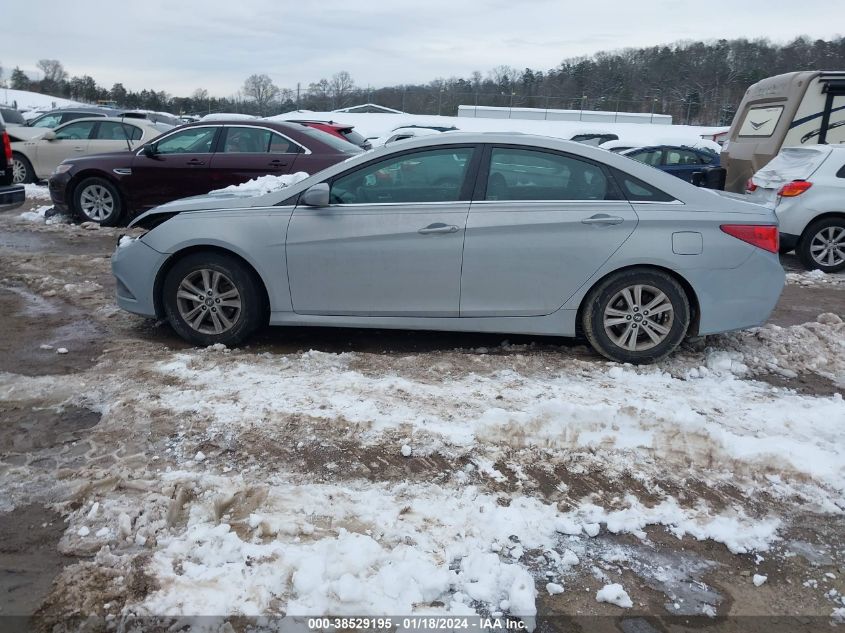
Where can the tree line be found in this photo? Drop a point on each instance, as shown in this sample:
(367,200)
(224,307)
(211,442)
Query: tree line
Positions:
(696,82)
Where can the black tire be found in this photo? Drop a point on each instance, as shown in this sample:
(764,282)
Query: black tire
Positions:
(834,226)
(22,171)
(610,294)
(235,275)
(91,190)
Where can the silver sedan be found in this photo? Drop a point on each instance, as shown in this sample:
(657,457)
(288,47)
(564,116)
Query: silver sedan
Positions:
(463,232)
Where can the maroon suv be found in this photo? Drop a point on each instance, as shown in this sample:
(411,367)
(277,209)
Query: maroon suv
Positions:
(190,160)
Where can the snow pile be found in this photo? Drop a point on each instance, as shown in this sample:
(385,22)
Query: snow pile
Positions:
(640,414)
(40,216)
(359,548)
(25,100)
(813,347)
(36,192)
(264,184)
(614,594)
(815,278)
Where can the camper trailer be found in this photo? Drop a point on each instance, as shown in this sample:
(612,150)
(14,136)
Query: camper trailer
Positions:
(789,110)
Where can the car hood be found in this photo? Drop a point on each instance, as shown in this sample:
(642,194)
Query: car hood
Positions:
(22,133)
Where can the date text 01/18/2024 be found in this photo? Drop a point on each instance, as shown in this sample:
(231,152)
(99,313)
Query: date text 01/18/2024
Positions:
(429,623)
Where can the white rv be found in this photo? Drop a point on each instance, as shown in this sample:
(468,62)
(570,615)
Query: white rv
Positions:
(790,110)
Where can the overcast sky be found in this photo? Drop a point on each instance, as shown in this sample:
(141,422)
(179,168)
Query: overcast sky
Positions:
(179,46)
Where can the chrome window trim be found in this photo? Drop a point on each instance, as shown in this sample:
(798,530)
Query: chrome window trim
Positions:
(391,204)
(526,201)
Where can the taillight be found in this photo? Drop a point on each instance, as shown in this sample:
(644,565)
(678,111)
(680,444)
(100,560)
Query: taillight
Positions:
(7,148)
(750,186)
(759,235)
(794,188)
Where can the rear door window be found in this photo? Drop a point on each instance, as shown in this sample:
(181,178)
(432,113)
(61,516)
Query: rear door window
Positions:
(523,174)
(681,157)
(112,131)
(653,157)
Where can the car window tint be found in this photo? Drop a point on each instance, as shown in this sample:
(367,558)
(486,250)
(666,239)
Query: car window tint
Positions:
(246,140)
(75,131)
(426,176)
(652,157)
(681,157)
(638,191)
(841,172)
(72,116)
(49,120)
(112,131)
(196,140)
(517,174)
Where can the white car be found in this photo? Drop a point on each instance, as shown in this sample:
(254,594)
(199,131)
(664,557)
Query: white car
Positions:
(806,188)
(37,157)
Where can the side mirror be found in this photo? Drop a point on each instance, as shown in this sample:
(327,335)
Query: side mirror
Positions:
(148,150)
(316,196)
(49,135)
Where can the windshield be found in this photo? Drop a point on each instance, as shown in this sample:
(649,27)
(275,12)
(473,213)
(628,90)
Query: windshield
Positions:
(338,144)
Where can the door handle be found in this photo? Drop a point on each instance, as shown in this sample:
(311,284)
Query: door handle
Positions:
(78,149)
(195,162)
(603,218)
(278,163)
(438,228)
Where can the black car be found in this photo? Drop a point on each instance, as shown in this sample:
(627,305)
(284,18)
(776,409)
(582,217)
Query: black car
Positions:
(11,196)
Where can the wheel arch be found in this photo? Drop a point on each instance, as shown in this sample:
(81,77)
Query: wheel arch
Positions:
(74,182)
(822,216)
(165,268)
(692,298)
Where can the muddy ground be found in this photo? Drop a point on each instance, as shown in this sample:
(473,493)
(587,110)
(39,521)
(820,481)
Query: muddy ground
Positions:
(61,329)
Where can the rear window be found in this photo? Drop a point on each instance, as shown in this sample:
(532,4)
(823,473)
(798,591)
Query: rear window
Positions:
(338,144)
(792,163)
(354,137)
(761,122)
(637,190)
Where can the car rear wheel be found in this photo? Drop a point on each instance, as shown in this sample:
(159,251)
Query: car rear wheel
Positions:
(22,171)
(98,200)
(823,245)
(212,298)
(636,316)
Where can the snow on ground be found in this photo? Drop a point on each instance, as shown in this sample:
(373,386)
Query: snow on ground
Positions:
(37,192)
(815,278)
(25,100)
(265,184)
(381,126)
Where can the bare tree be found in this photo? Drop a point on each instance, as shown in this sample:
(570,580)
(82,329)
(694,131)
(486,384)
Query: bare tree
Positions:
(54,72)
(340,87)
(261,89)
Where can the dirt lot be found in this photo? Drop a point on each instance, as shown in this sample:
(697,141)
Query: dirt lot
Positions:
(142,478)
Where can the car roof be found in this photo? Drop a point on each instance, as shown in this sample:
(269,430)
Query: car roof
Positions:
(114,119)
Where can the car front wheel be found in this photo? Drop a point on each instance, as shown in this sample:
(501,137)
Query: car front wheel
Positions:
(98,200)
(823,245)
(636,316)
(212,298)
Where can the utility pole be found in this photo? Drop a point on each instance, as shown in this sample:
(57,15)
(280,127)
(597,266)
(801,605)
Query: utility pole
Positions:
(297,95)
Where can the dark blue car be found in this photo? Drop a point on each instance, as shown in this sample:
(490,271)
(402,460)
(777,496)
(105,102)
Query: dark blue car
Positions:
(682,162)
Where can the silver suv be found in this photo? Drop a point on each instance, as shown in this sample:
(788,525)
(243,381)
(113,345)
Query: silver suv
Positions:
(806,188)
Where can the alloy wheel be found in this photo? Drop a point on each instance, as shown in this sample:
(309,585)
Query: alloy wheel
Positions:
(96,202)
(638,317)
(208,301)
(18,171)
(827,248)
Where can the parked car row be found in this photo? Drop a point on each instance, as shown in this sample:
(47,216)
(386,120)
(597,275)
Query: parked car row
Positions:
(190,160)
